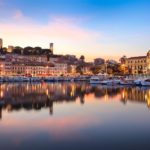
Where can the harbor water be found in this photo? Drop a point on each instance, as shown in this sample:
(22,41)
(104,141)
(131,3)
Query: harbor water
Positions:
(55,116)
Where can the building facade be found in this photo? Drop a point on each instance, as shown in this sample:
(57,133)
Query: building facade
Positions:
(15,65)
(138,65)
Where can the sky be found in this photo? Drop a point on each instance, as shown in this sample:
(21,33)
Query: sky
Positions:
(93,28)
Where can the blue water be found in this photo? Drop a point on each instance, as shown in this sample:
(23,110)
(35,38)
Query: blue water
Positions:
(74,116)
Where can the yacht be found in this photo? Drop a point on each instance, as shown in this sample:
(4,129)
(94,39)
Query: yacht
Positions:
(110,82)
(127,82)
(35,79)
(145,82)
(138,82)
(95,80)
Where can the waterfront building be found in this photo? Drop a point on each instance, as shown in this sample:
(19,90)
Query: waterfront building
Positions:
(26,58)
(138,65)
(35,69)
(2,68)
(32,65)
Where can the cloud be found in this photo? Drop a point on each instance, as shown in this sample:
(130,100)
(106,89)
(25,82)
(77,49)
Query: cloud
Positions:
(68,33)
(58,27)
(18,15)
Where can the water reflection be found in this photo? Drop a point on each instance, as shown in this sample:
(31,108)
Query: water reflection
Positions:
(38,96)
(73,115)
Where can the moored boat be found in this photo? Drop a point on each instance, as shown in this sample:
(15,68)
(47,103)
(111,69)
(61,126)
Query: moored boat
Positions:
(138,82)
(127,82)
(95,80)
(1,79)
(145,82)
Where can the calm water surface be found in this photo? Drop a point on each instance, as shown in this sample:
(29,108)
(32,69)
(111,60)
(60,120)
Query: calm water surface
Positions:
(74,116)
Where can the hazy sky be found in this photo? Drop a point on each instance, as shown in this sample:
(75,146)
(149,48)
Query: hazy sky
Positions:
(94,28)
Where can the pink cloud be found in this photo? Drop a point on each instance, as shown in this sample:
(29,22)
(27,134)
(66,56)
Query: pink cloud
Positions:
(67,33)
(59,27)
(18,15)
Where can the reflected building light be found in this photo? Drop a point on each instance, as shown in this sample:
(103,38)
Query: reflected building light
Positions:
(148,92)
(9,107)
(47,92)
(123,95)
(106,98)
(73,90)
(147,99)
(64,91)
(1,94)
(27,87)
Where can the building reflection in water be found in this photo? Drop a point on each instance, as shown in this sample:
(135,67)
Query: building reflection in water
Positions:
(38,96)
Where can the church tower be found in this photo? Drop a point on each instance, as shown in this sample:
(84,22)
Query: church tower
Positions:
(51,47)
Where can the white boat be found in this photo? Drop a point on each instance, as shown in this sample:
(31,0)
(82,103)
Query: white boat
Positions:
(110,82)
(127,82)
(105,82)
(145,82)
(138,81)
(113,82)
(95,80)
(25,79)
(35,79)
(59,79)
(20,79)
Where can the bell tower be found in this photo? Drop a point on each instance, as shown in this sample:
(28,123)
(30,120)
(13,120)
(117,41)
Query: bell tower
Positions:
(148,54)
(51,47)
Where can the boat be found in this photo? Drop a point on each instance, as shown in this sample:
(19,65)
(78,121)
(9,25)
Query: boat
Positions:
(145,82)
(35,79)
(95,80)
(59,79)
(82,78)
(138,82)
(1,79)
(127,82)
(49,79)
(25,79)
(20,79)
(111,81)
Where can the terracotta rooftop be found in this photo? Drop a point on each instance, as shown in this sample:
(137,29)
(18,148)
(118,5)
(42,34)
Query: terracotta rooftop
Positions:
(137,57)
(33,64)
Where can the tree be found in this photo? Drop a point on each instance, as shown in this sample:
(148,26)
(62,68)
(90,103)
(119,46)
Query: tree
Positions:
(37,51)
(123,59)
(4,50)
(17,50)
(96,69)
(82,58)
(28,50)
(79,69)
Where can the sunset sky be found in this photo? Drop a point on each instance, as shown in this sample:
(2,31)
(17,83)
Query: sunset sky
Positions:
(94,28)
